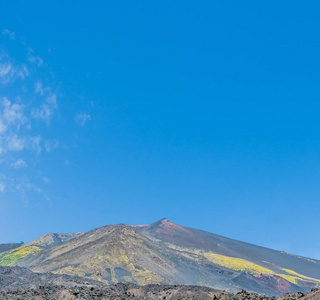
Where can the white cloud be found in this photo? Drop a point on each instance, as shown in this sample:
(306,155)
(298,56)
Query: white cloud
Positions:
(9,72)
(46,109)
(15,143)
(39,89)
(5,69)
(6,72)
(12,114)
(82,118)
(16,117)
(19,164)
(9,33)
(12,118)
(22,71)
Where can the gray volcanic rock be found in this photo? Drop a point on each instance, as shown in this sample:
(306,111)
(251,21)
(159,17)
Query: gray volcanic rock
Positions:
(125,291)
(50,240)
(17,277)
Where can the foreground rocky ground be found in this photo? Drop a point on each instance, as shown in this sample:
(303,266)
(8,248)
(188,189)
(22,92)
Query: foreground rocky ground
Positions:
(21,283)
(12,278)
(124,291)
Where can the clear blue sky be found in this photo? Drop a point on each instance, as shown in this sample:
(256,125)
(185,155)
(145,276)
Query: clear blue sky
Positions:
(206,113)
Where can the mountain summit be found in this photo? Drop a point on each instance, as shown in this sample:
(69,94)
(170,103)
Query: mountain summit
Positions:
(167,253)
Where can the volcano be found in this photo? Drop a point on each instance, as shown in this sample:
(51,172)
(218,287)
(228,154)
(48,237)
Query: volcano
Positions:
(167,253)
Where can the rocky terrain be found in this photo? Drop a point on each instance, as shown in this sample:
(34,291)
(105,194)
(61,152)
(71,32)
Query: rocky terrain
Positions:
(167,253)
(124,291)
(12,278)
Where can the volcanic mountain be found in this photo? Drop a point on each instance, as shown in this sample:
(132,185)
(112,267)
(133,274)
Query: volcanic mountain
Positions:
(167,253)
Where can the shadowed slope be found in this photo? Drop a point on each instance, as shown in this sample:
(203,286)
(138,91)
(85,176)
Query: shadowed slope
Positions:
(185,237)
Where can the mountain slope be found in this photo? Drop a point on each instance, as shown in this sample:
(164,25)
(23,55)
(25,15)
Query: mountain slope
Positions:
(47,241)
(164,252)
(189,238)
(8,247)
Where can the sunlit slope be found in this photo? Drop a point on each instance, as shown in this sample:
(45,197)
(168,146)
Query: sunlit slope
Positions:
(5,249)
(164,252)
(110,254)
(10,256)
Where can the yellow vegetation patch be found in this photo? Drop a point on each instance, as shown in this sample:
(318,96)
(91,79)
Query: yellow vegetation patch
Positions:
(24,251)
(237,264)
(298,276)
(18,253)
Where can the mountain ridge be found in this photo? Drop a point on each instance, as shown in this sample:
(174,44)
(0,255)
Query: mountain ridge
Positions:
(167,253)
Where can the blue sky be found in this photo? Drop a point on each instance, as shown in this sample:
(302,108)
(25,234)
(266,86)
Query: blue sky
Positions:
(204,113)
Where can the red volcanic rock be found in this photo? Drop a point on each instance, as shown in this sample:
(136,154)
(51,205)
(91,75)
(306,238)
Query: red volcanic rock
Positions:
(170,232)
(274,282)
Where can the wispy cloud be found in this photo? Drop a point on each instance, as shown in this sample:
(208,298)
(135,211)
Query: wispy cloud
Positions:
(15,143)
(38,88)
(2,187)
(9,33)
(46,110)
(30,186)
(50,145)
(12,119)
(46,179)
(35,143)
(21,114)
(16,117)
(19,164)
(82,118)
(6,72)
(12,115)
(10,71)
(24,187)
(3,127)
(35,59)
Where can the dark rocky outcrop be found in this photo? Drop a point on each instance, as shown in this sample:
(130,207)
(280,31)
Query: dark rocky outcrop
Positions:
(125,291)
